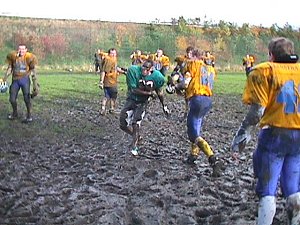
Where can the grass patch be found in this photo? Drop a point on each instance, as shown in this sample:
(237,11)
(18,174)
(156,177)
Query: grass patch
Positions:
(65,97)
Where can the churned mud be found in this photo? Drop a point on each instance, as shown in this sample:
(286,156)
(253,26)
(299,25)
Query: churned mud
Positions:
(73,166)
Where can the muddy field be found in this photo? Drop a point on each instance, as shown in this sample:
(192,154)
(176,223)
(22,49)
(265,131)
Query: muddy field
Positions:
(73,166)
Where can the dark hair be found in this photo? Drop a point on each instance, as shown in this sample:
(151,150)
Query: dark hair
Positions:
(189,49)
(148,64)
(282,50)
(111,49)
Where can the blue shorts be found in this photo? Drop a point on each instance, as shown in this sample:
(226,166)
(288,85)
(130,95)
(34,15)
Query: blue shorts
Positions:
(111,92)
(199,106)
(23,84)
(277,158)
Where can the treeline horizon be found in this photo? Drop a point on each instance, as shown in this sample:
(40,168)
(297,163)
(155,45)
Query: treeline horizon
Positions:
(65,43)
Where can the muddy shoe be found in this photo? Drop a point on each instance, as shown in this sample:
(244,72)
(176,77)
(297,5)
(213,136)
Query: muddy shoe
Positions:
(27,120)
(191,160)
(134,151)
(112,111)
(216,165)
(12,116)
(103,112)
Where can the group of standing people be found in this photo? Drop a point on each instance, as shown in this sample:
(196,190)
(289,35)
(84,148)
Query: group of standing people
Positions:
(271,91)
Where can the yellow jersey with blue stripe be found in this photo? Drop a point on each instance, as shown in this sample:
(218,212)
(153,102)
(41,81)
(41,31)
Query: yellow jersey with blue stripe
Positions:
(202,78)
(21,65)
(275,86)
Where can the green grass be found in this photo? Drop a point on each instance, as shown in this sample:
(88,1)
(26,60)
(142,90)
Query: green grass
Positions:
(61,92)
(230,83)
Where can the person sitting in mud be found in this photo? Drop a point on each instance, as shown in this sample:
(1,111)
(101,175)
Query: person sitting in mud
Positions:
(198,83)
(143,83)
(272,93)
(177,77)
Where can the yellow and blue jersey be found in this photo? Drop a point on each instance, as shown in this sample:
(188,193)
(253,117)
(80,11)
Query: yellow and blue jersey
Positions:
(21,65)
(202,78)
(275,86)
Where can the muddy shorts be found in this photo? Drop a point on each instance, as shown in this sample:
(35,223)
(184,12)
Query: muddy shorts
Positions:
(277,157)
(132,113)
(111,92)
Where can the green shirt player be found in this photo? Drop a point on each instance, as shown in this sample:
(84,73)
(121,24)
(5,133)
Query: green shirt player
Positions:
(143,83)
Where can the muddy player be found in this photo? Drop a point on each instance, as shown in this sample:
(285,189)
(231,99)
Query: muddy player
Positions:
(109,81)
(272,92)
(143,82)
(21,64)
(176,78)
(198,84)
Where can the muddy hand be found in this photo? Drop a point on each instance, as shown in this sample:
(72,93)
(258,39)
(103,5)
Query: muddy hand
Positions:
(240,140)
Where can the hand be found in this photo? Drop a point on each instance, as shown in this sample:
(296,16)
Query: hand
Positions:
(241,139)
(166,111)
(100,84)
(170,89)
(153,95)
(36,89)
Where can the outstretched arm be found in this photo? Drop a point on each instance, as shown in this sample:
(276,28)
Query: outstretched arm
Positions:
(243,135)
(160,95)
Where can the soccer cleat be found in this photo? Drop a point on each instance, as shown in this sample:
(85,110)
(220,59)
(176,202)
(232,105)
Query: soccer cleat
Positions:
(216,166)
(134,151)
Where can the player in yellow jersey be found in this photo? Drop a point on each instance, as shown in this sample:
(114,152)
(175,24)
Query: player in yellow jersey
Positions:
(177,76)
(21,65)
(137,58)
(161,61)
(198,83)
(209,59)
(248,62)
(109,80)
(273,92)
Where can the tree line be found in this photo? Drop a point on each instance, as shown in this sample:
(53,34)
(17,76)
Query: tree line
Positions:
(58,43)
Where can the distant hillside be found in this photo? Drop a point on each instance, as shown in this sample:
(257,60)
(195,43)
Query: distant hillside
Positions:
(72,43)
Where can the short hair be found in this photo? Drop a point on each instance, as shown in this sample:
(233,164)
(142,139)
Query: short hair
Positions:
(189,49)
(148,64)
(280,48)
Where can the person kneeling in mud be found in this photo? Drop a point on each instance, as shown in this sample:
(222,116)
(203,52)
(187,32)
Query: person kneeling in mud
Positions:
(143,83)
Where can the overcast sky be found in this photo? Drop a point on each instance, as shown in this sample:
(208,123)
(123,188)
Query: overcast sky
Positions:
(254,12)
